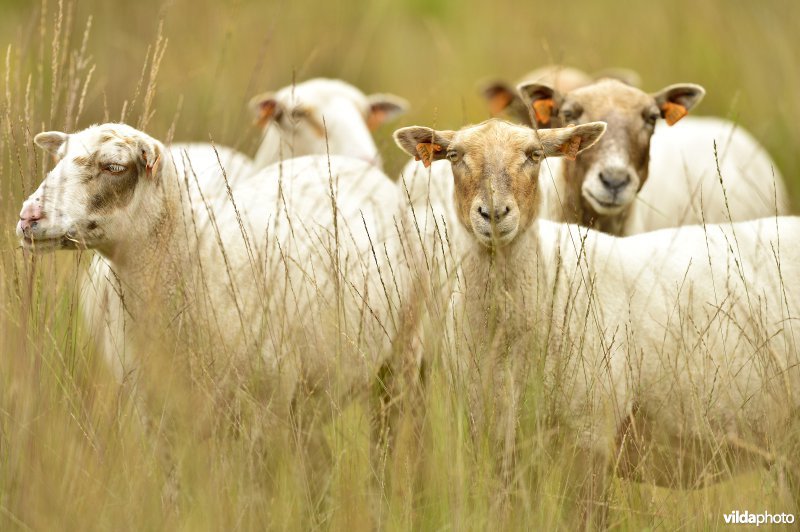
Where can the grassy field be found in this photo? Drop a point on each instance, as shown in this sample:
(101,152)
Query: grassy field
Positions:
(72,455)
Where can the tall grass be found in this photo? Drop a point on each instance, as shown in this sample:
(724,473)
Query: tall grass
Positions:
(72,452)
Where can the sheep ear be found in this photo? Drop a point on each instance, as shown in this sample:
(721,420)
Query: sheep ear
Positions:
(50,141)
(423,143)
(150,154)
(542,102)
(499,96)
(625,75)
(264,107)
(570,141)
(677,100)
(383,108)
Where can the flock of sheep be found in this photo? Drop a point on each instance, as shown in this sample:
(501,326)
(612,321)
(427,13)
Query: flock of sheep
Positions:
(639,264)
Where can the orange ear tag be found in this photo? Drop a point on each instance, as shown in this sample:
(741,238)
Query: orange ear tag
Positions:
(673,112)
(499,101)
(376,118)
(542,109)
(265,112)
(570,149)
(425,151)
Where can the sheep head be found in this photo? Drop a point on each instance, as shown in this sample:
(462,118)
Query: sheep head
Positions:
(97,192)
(322,116)
(496,170)
(609,176)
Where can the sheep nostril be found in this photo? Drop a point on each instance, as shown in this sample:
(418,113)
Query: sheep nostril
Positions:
(614,179)
(484,214)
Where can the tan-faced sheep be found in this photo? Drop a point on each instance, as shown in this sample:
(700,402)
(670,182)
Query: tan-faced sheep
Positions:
(321,116)
(670,356)
(627,184)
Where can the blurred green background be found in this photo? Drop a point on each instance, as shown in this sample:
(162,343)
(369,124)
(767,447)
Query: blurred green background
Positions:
(69,457)
(432,52)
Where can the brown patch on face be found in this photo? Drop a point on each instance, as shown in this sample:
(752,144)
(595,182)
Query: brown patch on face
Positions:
(315,124)
(303,113)
(109,192)
(108,135)
(495,163)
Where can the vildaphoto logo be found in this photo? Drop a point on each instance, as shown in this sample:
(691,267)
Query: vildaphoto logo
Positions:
(764,518)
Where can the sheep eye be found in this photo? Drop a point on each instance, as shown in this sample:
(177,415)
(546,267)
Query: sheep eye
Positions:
(114,168)
(452,156)
(651,117)
(298,113)
(571,115)
(535,156)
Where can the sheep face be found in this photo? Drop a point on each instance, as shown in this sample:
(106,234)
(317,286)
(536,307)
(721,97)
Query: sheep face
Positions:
(94,196)
(325,116)
(609,176)
(496,170)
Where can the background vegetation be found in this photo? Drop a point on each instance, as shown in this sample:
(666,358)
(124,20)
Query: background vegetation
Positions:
(71,456)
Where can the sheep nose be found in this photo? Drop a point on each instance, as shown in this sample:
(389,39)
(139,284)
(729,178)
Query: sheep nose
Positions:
(30,215)
(499,212)
(615,178)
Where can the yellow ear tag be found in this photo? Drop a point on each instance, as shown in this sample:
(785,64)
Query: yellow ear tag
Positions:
(673,112)
(543,109)
(570,149)
(425,151)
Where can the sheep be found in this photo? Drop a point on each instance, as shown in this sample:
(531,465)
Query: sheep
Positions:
(502,97)
(292,121)
(101,306)
(682,335)
(321,116)
(675,176)
(281,275)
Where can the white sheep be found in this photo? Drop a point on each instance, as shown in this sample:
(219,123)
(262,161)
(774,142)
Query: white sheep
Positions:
(282,275)
(684,336)
(627,184)
(292,119)
(321,116)
(101,304)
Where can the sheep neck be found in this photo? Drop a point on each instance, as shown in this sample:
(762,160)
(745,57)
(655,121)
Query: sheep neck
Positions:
(506,293)
(151,260)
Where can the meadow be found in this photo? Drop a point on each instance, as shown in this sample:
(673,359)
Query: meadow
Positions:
(72,454)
